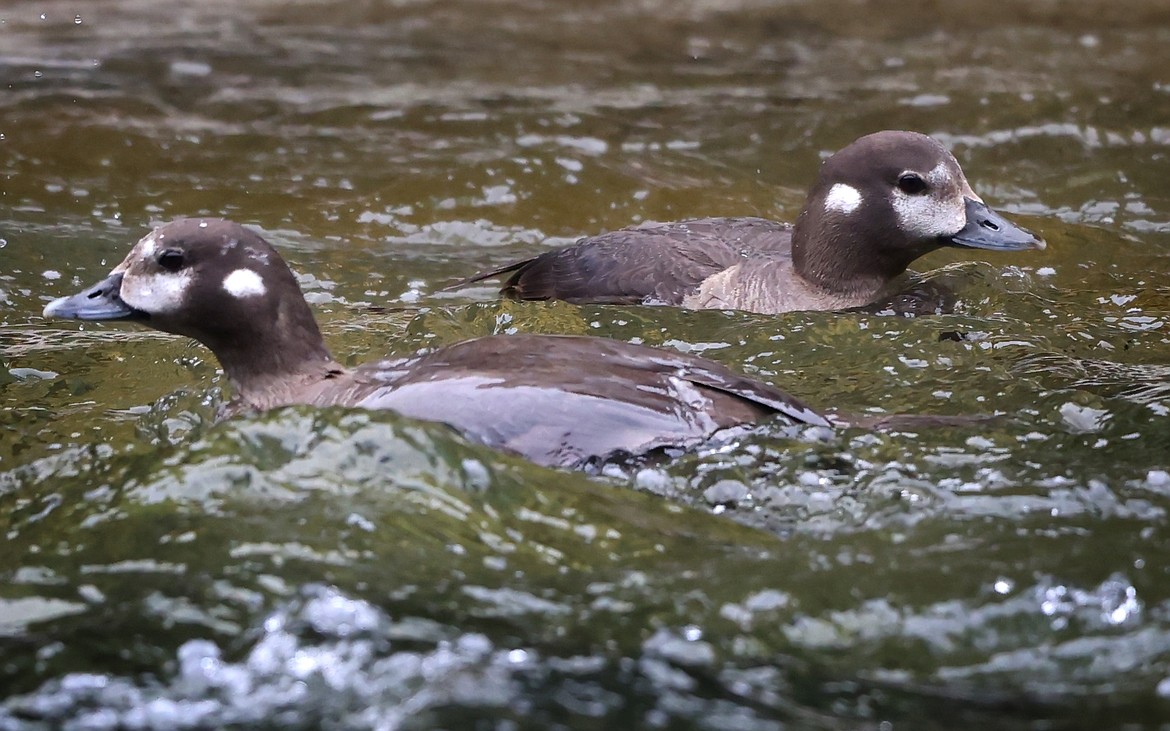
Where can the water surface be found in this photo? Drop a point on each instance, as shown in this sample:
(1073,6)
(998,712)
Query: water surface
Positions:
(328,569)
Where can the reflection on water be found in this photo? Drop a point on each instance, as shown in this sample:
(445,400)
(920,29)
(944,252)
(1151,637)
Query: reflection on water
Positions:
(323,569)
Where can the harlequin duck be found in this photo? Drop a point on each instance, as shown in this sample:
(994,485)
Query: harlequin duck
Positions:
(878,204)
(557,400)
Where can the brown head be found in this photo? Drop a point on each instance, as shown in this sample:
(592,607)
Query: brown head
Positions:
(885,200)
(219,283)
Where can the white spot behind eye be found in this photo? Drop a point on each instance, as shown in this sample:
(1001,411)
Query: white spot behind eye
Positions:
(244,283)
(843,199)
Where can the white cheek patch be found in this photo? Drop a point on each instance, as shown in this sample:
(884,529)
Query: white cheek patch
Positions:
(929,216)
(936,214)
(244,283)
(156,294)
(843,199)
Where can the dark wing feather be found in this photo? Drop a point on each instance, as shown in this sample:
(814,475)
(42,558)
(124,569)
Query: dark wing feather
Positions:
(707,373)
(564,399)
(659,262)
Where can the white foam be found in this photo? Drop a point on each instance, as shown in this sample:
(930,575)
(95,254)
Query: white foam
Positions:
(244,283)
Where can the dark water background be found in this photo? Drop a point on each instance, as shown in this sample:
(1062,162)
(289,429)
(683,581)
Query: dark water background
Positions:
(325,569)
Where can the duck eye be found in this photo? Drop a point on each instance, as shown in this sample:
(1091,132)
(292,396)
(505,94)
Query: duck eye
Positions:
(171,260)
(911,184)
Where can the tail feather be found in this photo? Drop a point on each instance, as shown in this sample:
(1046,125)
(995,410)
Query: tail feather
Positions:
(489,274)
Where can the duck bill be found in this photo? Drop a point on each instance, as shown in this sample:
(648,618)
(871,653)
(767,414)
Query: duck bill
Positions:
(102,301)
(986,229)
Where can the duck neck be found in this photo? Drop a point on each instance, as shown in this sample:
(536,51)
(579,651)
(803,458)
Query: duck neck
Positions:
(843,259)
(267,366)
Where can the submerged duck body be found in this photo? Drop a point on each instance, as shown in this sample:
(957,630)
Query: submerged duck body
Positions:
(878,204)
(557,400)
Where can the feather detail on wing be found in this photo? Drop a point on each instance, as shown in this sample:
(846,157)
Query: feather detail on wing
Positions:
(655,262)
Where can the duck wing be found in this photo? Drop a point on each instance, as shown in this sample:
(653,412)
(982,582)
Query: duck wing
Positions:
(564,400)
(654,263)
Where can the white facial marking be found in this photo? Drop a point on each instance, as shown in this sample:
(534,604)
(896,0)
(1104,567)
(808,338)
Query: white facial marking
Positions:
(938,175)
(147,245)
(157,293)
(143,251)
(244,283)
(843,199)
(934,213)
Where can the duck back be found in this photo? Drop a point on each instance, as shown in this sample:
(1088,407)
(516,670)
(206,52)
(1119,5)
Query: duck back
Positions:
(659,263)
(566,400)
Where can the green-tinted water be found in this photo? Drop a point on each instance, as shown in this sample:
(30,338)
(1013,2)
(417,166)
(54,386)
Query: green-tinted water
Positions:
(314,569)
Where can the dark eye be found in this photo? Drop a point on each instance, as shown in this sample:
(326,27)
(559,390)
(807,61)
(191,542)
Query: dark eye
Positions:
(911,184)
(171,260)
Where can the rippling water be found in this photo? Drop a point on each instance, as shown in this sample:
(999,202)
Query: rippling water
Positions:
(325,569)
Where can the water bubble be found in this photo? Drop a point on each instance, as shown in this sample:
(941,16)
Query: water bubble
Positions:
(1003,586)
(37,74)
(77,19)
(43,16)
(517,656)
(1054,600)
(1118,601)
(1163,688)
(360,521)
